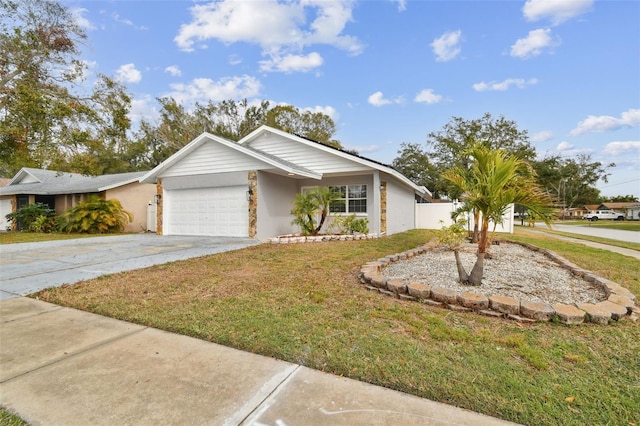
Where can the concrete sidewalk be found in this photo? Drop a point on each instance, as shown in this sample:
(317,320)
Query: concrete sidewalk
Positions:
(61,366)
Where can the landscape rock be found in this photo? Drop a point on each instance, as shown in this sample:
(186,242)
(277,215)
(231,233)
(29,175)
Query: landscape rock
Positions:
(421,291)
(397,286)
(622,301)
(616,311)
(504,304)
(536,310)
(444,295)
(569,314)
(595,313)
(473,301)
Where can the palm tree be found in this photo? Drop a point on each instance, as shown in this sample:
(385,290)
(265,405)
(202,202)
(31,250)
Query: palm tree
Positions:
(308,205)
(494,181)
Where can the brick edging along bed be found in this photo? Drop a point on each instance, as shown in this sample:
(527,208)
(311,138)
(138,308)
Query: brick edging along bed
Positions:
(620,301)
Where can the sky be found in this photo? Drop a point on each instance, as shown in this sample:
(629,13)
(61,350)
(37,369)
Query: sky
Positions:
(392,71)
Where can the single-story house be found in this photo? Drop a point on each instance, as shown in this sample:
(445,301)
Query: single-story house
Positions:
(629,209)
(214,186)
(61,190)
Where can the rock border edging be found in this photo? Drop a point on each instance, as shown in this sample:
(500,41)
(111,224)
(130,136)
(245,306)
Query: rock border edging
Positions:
(620,301)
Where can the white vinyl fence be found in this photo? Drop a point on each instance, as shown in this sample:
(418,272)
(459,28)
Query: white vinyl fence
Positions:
(430,215)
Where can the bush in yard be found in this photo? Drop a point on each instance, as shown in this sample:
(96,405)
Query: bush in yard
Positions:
(31,214)
(351,224)
(307,206)
(95,216)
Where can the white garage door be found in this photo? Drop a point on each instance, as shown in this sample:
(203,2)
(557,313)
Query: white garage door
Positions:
(207,211)
(5,209)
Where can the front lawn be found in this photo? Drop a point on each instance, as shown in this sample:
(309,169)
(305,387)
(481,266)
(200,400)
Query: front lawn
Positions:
(35,237)
(303,304)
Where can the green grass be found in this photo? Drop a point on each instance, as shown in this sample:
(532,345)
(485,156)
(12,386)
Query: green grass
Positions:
(607,241)
(607,224)
(8,419)
(34,237)
(304,304)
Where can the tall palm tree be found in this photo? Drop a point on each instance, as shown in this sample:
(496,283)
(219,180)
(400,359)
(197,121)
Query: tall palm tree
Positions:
(494,181)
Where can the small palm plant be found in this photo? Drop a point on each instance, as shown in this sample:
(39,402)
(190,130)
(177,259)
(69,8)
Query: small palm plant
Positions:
(307,206)
(95,216)
(494,181)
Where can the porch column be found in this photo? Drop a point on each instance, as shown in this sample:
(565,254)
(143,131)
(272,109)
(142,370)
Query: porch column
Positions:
(159,206)
(253,203)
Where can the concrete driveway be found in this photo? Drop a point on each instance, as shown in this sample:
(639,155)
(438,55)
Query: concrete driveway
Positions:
(30,267)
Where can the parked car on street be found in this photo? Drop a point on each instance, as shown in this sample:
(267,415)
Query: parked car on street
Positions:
(603,214)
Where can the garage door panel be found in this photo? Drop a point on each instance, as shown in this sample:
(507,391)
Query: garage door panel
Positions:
(207,211)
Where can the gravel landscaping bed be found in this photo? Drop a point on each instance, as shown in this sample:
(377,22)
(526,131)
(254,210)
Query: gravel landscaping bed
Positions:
(512,270)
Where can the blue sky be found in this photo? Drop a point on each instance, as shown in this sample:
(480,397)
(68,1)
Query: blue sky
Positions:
(388,71)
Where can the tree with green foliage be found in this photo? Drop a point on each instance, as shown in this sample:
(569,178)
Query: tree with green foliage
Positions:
(36,217)
(620,199)
(570,181)
(493,180)
(46,119)
(449,145)
(95,216)
(413,162)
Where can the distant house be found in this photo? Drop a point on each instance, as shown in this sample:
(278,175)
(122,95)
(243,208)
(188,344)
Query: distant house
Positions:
(61,190)
(574,213)
(629,209)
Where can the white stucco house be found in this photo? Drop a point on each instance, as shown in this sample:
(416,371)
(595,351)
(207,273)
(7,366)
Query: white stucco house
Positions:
(61,190)
(214,186)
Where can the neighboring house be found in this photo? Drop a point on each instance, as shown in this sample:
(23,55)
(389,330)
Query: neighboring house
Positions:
(214,186)
(574,213)
(61,190)
(628,209)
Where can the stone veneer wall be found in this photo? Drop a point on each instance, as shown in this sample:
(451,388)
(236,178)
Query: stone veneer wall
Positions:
(383,207)
(159,207)
(253,203)
(620,301)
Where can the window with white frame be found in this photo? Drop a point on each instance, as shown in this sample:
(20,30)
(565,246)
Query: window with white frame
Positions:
(351,199)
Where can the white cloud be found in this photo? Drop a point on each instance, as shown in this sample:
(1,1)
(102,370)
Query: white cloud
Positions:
(326,110)
(447,46)
(543,136)
(205,89)
(402,5)
(81,20)
(605,123)
(557,11)
(533,44)
(520,83)
(281,29)
(427,96)
(564,146)
(568,149)
(235,59)
(378,99)
(128,74)
(143,107)
(174,70)
(622,148)
(292,63)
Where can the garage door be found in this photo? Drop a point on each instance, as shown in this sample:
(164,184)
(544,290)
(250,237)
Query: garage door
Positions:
(207,211)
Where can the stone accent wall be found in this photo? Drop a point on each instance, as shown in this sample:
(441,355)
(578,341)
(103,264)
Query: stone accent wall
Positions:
(620,302)
(159,207)
(253,203)
(14,208)
(383,207)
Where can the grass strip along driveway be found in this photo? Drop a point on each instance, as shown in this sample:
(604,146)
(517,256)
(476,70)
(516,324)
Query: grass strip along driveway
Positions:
(303,304)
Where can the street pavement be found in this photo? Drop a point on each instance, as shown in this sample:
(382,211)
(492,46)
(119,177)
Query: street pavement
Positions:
(586,229)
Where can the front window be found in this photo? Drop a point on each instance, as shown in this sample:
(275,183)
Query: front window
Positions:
(351,199)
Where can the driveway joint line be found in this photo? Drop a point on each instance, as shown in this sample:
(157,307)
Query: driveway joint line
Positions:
(263,405)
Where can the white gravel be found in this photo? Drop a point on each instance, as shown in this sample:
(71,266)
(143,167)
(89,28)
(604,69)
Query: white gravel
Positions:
(512,270)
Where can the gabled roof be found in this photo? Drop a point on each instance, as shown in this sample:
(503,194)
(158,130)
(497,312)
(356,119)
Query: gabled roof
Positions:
(246,141)
(51,182)
(278,163)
